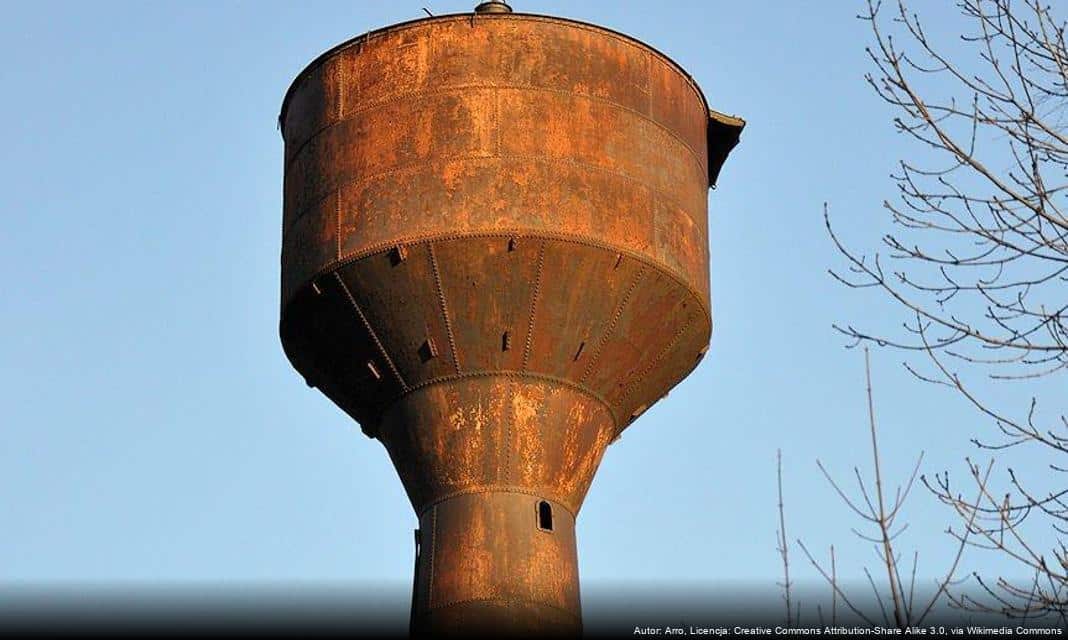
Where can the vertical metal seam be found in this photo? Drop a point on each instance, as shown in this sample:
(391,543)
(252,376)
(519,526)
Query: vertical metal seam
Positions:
(634,379)
(444,306)
(374,336)
(506,446)
(430,562)
(497,120)
(339,77)
(340,91)
(612,324)
(357,80)
(533,305)
(649,81)
(337,218)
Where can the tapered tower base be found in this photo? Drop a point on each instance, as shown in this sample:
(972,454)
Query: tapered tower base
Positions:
(497,467)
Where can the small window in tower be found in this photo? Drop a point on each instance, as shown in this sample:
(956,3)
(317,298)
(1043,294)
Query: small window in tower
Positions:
(545,516)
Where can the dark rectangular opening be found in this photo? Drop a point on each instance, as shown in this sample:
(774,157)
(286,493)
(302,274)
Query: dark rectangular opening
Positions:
(545,516)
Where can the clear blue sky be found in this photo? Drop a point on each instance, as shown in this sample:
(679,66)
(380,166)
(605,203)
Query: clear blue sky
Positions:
(153,431)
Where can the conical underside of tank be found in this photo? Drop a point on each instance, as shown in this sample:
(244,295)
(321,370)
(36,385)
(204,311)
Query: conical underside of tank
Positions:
(495,258)
(555,310)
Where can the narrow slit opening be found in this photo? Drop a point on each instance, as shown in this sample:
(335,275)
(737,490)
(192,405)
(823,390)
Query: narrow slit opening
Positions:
(578,353)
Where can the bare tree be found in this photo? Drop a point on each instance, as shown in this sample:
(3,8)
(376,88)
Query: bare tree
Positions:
(978,264)
(781,545)
(899,608)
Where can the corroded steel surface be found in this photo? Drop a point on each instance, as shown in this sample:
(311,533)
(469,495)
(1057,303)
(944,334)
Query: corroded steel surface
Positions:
(495,258)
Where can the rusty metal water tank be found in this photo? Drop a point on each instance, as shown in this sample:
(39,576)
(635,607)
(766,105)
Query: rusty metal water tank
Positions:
(495,258)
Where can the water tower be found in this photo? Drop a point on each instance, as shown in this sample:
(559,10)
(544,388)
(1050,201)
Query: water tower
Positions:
(495,258)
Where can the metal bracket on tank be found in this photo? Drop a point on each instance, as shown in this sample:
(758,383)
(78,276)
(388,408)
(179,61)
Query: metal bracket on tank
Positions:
(723,134)
(429,350)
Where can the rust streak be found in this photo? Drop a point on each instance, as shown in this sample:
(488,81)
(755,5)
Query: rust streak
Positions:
(520,375)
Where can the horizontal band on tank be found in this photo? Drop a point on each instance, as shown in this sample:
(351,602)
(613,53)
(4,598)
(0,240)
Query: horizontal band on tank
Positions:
(386,246)
(481,489)
(578,24)
(418,165)
(537,603)
(494,123)
(530,375)
(412,95)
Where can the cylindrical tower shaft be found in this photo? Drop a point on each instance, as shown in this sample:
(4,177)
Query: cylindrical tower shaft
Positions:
(499,561)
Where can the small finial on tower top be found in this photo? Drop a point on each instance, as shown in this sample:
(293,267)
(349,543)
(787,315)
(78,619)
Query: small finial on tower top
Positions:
(494,6)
